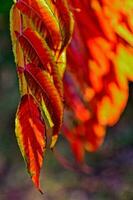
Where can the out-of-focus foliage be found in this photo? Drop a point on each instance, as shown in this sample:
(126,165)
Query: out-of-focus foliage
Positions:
(99,68)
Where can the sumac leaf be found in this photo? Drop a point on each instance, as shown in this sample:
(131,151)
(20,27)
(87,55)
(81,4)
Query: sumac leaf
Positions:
(34,48)
(15,26)
(30,133)
(43,19)
(66,21)
(43,88)
(37,51)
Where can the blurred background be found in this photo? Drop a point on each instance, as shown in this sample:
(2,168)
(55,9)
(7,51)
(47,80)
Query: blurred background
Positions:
(111,175)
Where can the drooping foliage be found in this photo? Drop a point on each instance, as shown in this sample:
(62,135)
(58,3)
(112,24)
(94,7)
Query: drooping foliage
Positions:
(94,39)
(40,32)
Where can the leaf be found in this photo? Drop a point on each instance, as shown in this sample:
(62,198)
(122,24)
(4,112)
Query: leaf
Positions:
(37,39)
(43,19)
(66,21)
(34,48)
(37,51)
(30,133)
(15,26)
(44,90)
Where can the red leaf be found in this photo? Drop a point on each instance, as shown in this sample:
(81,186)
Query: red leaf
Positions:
(42,87)
(66,21)
(34,47)
(43,19)
(39,53)
(30,132)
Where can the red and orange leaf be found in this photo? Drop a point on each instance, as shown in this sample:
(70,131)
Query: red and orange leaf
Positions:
(30,133)
(39,34)
(65,20)
(43,88)
(37,51)
(34,48)
(43,19)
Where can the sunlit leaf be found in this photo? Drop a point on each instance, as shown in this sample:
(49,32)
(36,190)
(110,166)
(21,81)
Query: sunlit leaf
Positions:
(65,21)
(37,52)
(43,19)
(30,133)
(43,88)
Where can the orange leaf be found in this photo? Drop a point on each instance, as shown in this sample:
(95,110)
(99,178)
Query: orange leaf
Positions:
(43,19)
(43,88)
(34,47)
(65,20)
(30,132)
(37,51)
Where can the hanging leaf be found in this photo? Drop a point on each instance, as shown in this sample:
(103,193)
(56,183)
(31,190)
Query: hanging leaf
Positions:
(43,19)
(15,26)
(35,49)
(43,88)
(30,133)
(37,52)
(65,21)
(39,35)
